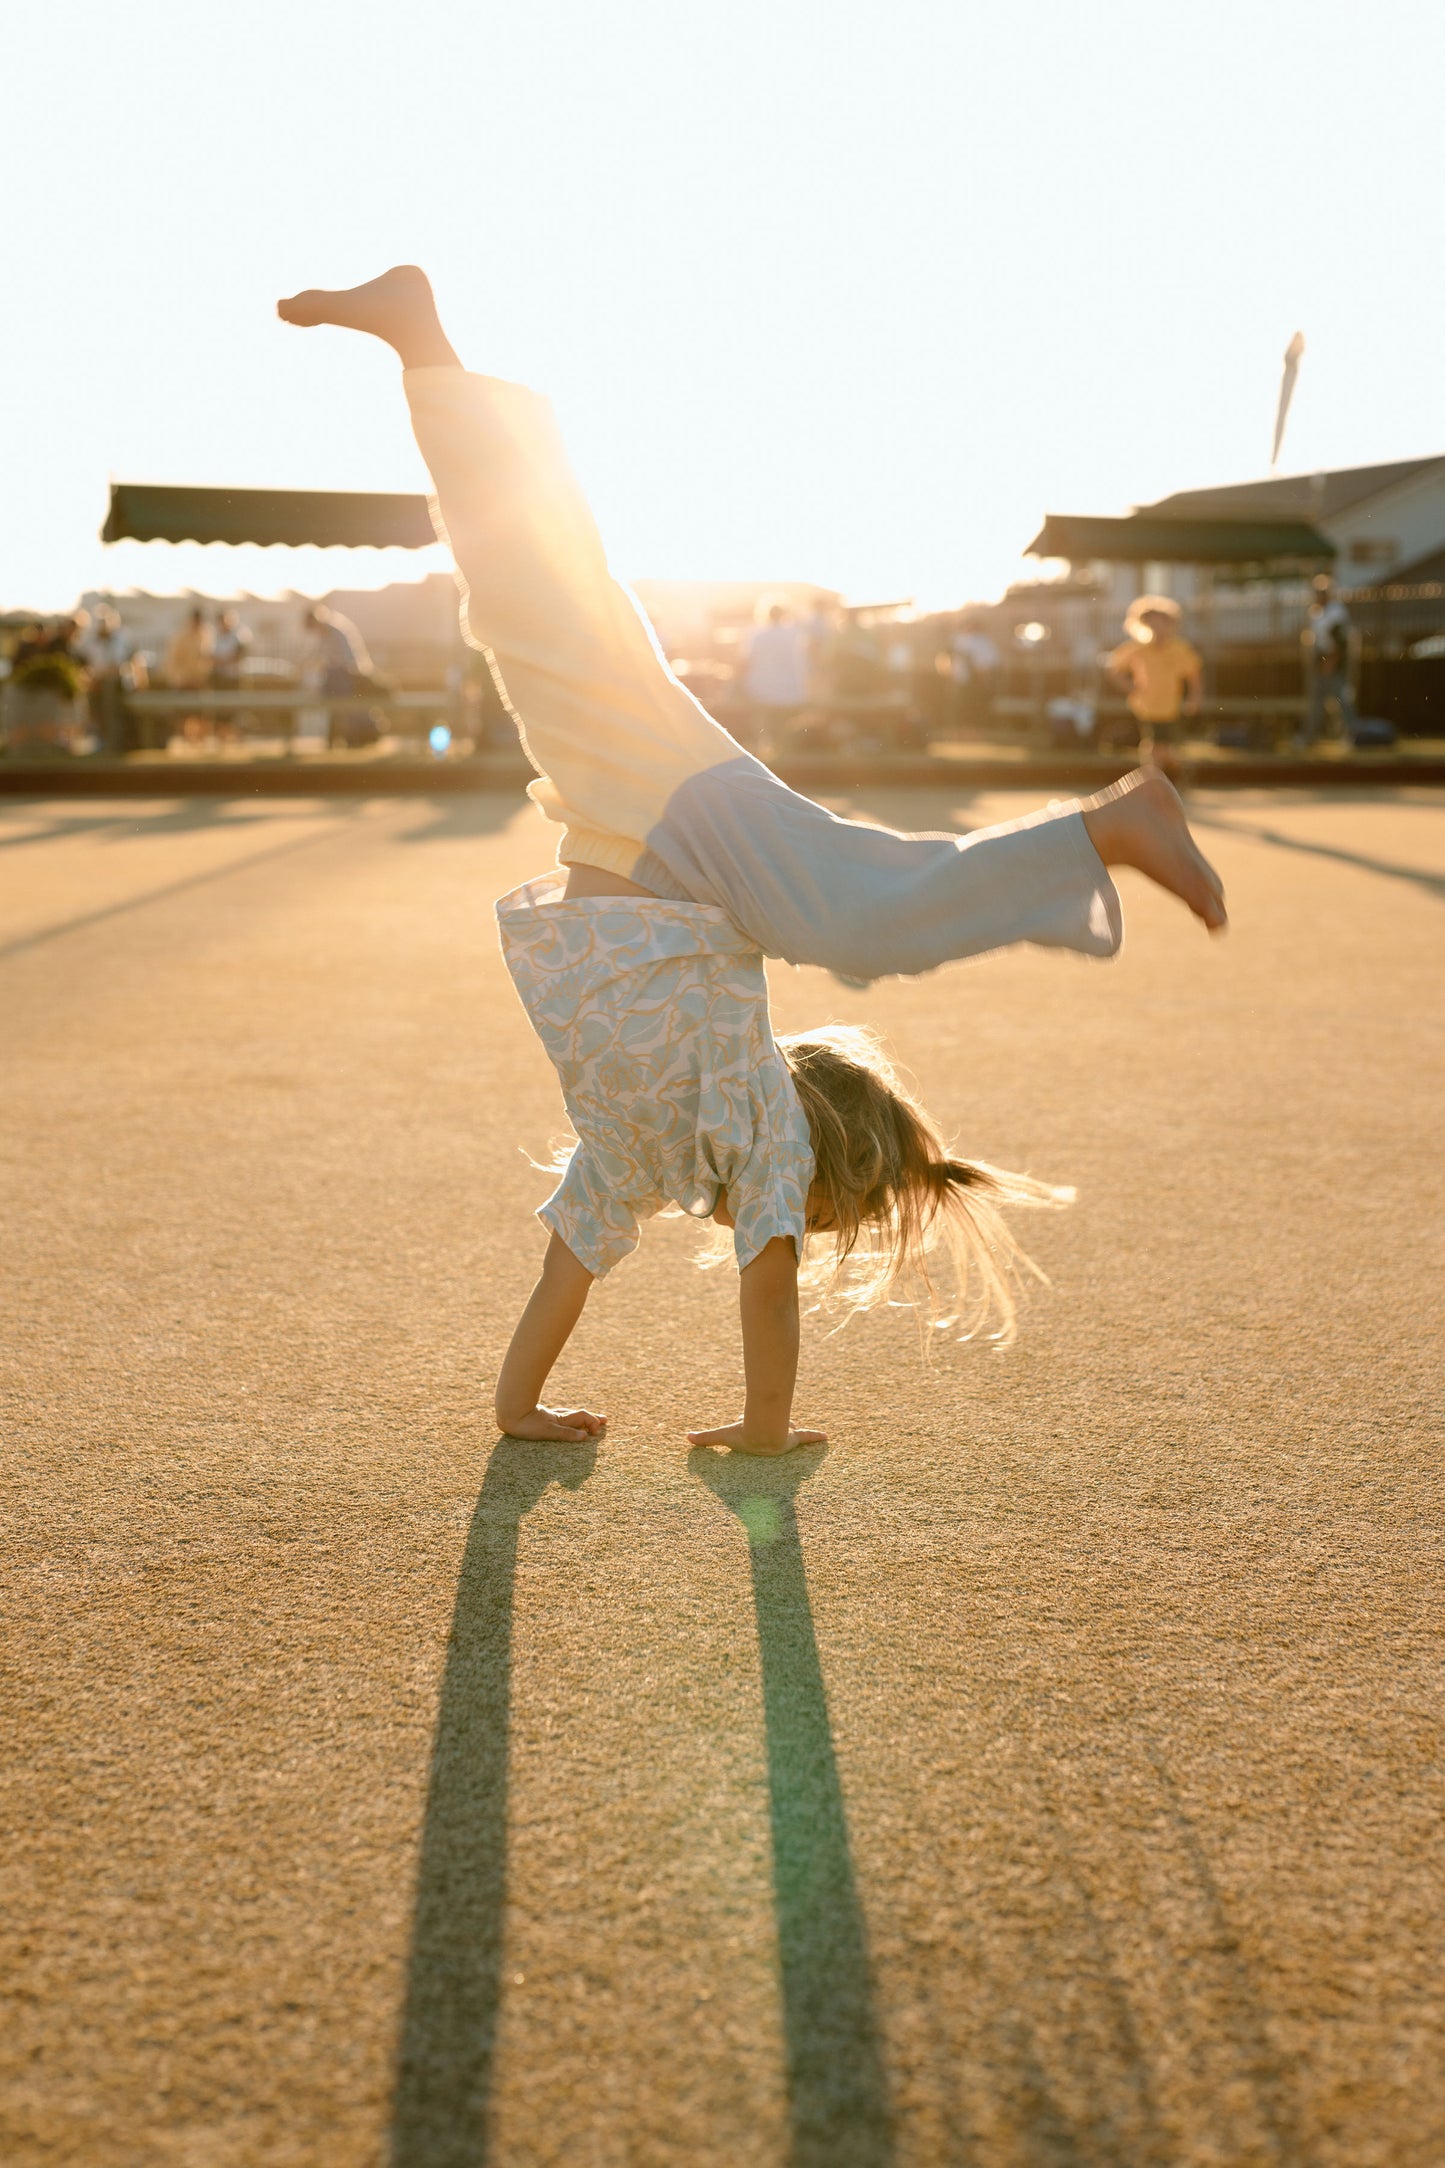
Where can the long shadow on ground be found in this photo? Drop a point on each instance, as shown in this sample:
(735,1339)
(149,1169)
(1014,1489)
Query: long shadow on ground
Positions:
(837,2089)
(167,889)
(1432,883)
(454,1979)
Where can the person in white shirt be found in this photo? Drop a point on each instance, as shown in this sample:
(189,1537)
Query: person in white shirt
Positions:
(337,661)
(336,651)
(105,649)
(974,664)
(105,645)
(775,677)
(228,652)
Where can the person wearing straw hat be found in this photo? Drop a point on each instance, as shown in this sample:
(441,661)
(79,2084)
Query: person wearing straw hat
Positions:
(1160,670)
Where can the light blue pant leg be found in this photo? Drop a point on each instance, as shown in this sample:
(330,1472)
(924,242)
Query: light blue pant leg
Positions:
(1325,686)
(1339,688)
(870,903)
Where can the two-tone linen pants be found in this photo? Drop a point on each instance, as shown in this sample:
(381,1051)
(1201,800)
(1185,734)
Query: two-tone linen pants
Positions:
(649,786)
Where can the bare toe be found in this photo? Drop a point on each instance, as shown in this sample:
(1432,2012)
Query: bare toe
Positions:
(303,308)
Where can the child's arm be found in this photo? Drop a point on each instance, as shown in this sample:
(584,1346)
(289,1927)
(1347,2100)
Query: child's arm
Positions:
(543,1330)
(768,1303)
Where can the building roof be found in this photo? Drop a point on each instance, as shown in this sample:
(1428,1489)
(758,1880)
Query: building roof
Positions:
(1146,539)
(1291,496)
(341,518)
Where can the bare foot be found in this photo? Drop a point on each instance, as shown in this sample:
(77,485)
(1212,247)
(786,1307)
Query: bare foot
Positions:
(1140,822)
(397,307)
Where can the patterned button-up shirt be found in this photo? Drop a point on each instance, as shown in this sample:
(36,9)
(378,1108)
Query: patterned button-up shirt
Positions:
(655,1015)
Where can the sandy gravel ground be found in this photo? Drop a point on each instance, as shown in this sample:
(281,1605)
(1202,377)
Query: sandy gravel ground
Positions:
(1049,1773)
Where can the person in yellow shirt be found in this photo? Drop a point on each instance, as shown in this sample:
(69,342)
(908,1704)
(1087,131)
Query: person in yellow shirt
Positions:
(1159,668)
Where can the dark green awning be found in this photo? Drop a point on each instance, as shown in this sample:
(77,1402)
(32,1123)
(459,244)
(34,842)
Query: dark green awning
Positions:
(324,518)
(1180,541)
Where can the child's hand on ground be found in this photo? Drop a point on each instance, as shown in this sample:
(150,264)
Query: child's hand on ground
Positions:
(734,1438)
(553,1426)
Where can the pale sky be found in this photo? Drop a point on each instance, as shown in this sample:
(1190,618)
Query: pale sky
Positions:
(850,292)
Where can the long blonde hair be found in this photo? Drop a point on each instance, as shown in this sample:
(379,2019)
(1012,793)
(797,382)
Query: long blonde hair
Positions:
(906,1220)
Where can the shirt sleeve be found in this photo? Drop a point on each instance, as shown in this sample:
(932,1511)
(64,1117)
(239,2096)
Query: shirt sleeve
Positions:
(598,1225)
(1122,658)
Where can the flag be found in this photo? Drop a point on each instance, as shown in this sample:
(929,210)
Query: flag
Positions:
(1286,391)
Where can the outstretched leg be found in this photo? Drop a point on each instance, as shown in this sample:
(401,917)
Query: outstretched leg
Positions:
(398,308)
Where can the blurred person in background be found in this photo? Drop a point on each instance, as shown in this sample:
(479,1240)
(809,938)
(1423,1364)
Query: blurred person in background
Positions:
(340,668)
(776,676)
(973,666)
(821,629)
(1162,674)
(47,674)
(187,666)
(30,640)
(105,649)
(228,652)
(1326,639)
(64,636)
(914,687)
(336,653)
(821,632)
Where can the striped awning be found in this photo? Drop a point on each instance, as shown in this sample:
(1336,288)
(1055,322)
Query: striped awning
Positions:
(323,518)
